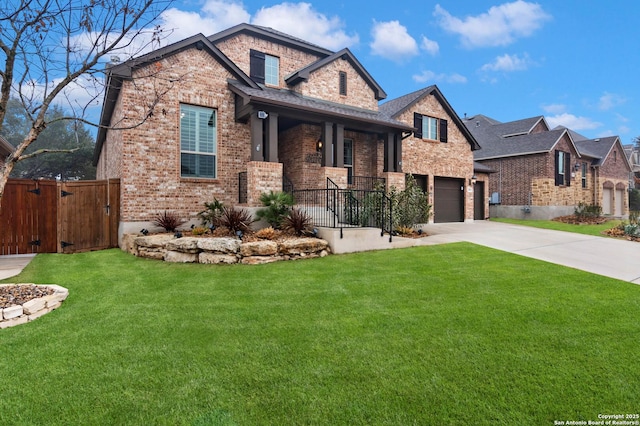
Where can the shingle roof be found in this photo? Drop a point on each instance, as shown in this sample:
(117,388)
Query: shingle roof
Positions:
(518,127)
(597,149)
(496,147)
(290,99)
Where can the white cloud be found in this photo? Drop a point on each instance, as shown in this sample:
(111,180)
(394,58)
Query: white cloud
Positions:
(214,16)
(392,41)
(500,26)
(572,122)
(610,100)
(301,20)
(508,63)
(430,46)
(432,76)
(554,108)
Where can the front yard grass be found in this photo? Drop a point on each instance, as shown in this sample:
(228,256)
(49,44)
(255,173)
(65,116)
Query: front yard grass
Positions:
(451,334)
(596,230)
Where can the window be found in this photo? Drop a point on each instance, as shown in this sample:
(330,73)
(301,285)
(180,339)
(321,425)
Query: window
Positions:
(264,68)
(198,141)
(584,175)
(429,127)
(343,83)
(348,159)
(563,168)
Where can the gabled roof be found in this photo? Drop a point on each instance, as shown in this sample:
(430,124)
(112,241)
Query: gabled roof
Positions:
(535,143)
(116,74)
(5,148)
(270,34)
(599,149)
(303,74)
(518,127)
(395,107)
(574,135)
(291,100)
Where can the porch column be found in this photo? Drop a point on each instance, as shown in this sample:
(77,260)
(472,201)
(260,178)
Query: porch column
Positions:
(339,141)
(257,136)
(271,144)
(389,151)
(398,153)
(327,142)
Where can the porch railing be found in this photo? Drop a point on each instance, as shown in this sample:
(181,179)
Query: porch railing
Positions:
(346,208)
(368,183)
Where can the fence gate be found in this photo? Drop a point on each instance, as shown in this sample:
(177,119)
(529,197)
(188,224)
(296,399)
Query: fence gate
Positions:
(88,213)
(59,217)
(28,217)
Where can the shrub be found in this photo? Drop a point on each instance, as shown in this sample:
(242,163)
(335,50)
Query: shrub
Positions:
(235,219)
(586,211)
(212,213)
(199,230)
(411,205)
(277,207)
(404,230)
(634,200)
(168,220)
(267,233)
(634,217)
(298,222)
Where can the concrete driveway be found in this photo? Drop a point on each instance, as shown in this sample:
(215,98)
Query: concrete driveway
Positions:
(610,257)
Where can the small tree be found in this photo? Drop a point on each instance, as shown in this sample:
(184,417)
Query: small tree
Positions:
(277,207)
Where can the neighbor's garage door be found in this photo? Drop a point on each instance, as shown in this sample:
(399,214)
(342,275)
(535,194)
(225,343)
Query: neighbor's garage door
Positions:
(448,200)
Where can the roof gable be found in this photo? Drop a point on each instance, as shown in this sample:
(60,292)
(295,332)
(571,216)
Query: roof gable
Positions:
(303,74)
(600,149)
(535,143)
(395,107)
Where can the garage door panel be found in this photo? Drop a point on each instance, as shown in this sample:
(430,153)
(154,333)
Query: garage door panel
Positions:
(448,199)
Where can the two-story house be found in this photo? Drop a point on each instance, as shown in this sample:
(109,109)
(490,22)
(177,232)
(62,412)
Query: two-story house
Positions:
(542,173)
(251,110)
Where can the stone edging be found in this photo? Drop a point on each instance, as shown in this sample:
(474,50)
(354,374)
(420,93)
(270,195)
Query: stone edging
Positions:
(34,308)
(222,250)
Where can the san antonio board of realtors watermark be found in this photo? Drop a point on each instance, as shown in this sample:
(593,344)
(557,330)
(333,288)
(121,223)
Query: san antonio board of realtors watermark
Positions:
(604,420)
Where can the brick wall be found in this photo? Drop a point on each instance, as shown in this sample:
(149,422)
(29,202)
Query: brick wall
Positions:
(150,166)
(262,177)
(324,84)
(291,60)
(434,158)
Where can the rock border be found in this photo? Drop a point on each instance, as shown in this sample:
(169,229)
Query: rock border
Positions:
(222,250)
(34,308)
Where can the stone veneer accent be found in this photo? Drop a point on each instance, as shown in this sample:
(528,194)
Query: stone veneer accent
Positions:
(222,250)
(34,308)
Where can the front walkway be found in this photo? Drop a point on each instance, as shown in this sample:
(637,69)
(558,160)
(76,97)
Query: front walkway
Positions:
(13,264)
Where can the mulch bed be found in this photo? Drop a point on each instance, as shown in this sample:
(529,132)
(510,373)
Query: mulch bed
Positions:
(575,220)
(19,294)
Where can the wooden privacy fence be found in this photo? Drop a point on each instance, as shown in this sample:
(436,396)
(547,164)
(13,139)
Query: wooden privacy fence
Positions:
(38,216)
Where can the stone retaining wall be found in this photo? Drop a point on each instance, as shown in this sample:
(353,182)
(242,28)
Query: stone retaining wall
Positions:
(34,308)
(222,250)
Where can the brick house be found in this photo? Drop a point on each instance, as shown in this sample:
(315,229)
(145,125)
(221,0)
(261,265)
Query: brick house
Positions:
(5,149)
(249,110)
(541,173)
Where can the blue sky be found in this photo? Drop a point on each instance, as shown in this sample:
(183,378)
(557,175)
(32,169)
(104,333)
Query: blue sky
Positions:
(575,62)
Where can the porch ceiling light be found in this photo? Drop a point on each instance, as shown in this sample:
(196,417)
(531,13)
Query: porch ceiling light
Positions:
(319,145)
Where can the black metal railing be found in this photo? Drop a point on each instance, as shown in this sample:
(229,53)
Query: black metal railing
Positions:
(334,207)
(368,183)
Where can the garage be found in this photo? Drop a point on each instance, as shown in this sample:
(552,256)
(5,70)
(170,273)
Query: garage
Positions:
(448,200)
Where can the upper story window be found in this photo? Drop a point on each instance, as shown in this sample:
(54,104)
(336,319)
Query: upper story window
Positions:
(562,168)
(198,141)
(263,68)
(343,83)
(430,127)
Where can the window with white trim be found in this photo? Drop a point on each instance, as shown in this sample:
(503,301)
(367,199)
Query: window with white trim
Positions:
(263,68)
(563,168)
(198,142)
(584,175)
(430,127)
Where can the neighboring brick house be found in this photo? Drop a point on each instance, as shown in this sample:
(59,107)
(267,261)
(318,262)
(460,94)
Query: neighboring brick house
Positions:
(249,109)
(5,149)
(541,173)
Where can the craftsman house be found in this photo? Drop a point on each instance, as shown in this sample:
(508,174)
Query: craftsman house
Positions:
(541,173)
(251,110)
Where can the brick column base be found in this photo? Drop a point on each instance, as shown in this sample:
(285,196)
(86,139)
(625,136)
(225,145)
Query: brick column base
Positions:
(262,177)
(394,179)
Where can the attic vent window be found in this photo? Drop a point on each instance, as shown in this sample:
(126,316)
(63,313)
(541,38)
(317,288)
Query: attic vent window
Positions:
(343,83)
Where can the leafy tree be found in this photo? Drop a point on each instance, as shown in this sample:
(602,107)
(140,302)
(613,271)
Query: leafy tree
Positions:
(48,48)
(61,135)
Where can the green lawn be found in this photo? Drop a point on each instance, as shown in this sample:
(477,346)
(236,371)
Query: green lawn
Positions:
(455,334)
(560,226)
